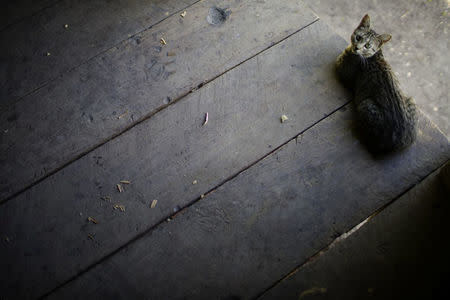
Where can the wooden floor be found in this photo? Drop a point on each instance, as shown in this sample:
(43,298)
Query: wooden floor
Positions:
(112,183)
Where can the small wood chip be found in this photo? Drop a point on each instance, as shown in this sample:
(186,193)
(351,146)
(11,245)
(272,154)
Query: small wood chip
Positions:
(206,119)
(153,203)
(122,115)
(202,196)
(284,118)
(120,188)
(163,41)
(118,206)
(90,219)
(125,181)
(183,14)
(195,181)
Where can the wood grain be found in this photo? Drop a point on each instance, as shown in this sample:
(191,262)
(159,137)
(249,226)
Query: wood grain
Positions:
(398,254)
(93,27)
(256,228)
(163,156)
(88,106)
(14,11)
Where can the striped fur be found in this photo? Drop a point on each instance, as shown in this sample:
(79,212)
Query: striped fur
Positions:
(386,118)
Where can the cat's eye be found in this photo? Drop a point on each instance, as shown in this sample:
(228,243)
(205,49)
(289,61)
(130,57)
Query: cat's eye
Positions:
(367,46)
(358,38)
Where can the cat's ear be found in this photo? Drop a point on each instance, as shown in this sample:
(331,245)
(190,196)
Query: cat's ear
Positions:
(365,22)
(384,38)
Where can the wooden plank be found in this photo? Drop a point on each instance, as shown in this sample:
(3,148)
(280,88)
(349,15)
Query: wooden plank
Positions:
(255,228)
(14,11)
(398,254)
(100,99)
(163,156)
(93,27)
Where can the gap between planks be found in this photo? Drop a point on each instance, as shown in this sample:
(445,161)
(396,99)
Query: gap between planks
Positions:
(49,81)
(182,209)
(346,234)
(152,113)
(21,19)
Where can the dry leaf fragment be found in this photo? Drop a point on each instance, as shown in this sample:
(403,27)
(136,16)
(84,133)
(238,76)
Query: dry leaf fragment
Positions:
(125,181)
(283,118)
(90,219)
(183,14)
(206,119)
(163,41)
(153,203)
(118,206)
(120,188)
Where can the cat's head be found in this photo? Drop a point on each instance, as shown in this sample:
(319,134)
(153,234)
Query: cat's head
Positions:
(365,41)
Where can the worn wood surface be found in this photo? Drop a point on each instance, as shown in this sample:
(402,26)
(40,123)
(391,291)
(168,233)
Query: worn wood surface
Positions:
(128,83)
(165,154)
(93,27)
(250,231)
(14,11)
(398,254)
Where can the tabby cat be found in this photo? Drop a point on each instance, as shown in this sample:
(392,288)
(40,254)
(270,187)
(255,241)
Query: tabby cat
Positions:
(386,118)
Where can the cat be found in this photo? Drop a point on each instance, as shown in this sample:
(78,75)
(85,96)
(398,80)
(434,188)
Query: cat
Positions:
(386,119)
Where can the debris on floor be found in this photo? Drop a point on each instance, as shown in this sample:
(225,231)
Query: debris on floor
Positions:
(312,291)
(119,206)
(122,115)
(206,119)
(153,203)
(119,188)
(195,181)
(125,181)
(106,198)
(284,118)
(163,41)
(183,14)
(90,219)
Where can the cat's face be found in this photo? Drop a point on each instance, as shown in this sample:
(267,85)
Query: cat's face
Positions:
(365,41)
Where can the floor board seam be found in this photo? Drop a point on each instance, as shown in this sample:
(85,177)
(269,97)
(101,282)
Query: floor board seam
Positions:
(346,234)
(7,26)
(143,119)
(185,207)
(51,80)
